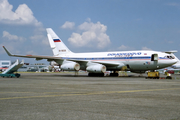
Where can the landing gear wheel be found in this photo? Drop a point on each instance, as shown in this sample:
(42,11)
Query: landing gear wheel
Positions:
(17,75)
(96,74)
(168,77)
(114,74)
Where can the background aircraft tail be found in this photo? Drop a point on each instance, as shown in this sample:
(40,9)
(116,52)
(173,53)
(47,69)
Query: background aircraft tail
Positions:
(57,45)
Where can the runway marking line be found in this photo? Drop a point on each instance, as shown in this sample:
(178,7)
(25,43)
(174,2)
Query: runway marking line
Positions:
(90,93)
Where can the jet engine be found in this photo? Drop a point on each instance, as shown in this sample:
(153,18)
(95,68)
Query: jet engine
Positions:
(98,68)
(71,66)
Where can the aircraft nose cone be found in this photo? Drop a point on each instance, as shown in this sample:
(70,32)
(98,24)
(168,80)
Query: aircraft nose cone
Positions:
(170,62)
(174,61)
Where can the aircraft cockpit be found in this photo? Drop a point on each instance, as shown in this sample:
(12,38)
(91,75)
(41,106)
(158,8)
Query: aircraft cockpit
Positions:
(170,57)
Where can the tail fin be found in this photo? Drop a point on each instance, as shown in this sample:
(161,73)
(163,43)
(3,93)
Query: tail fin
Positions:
(56,43)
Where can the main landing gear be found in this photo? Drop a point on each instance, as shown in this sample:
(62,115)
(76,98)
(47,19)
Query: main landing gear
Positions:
(96,74)
(114,74)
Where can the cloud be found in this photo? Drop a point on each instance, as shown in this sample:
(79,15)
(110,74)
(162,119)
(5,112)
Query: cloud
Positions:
(22,15)
(12,42)
(145,48)
(173,4)
(138,19)
(39,37)
(68,25)
(8,36)
(92,35)
(123,47)
(35,41)
(169,41)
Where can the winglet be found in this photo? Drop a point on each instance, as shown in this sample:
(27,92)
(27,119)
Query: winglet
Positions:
(7,51)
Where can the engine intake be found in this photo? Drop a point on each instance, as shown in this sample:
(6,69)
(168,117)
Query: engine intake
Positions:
(72,66)
(96,68)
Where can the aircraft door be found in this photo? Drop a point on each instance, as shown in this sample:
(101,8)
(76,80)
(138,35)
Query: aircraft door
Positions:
(154,57)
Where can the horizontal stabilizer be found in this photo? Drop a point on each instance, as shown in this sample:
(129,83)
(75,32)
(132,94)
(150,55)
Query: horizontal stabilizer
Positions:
(170,52)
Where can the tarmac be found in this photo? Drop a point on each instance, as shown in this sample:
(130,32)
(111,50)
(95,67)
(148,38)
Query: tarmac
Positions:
(63,96)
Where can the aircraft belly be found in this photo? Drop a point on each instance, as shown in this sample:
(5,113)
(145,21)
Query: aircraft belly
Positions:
(114,68)
(142,65)
(82,67)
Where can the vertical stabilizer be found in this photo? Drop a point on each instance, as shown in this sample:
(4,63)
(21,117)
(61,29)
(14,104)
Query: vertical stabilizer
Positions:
(57,45)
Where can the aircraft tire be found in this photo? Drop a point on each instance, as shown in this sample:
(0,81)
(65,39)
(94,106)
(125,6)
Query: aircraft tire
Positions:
(17,75)
(96,74)
(168,77)
(114,74)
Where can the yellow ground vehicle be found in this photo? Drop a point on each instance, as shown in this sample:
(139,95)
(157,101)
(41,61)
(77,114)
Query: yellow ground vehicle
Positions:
(153,75)
(168,75)
(156,75)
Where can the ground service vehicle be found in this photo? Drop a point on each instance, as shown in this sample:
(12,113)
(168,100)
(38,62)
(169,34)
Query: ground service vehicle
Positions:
(13,68)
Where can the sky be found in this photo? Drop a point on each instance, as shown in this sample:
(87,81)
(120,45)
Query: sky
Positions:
(89,25)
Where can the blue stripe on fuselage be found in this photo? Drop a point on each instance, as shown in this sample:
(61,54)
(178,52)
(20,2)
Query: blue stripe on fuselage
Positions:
(114,58)
(110,58)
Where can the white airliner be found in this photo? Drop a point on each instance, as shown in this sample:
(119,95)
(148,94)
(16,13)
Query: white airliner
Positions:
(97,63)
(176,66)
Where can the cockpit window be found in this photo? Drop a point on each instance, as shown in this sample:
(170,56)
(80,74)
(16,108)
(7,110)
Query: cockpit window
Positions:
(170,57)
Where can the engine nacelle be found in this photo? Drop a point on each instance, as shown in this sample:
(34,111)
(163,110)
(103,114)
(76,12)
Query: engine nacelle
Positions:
(71,66)
(98,68)
(52,63)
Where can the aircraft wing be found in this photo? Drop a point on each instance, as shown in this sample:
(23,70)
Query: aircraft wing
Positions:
(49,58)
(108,64)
